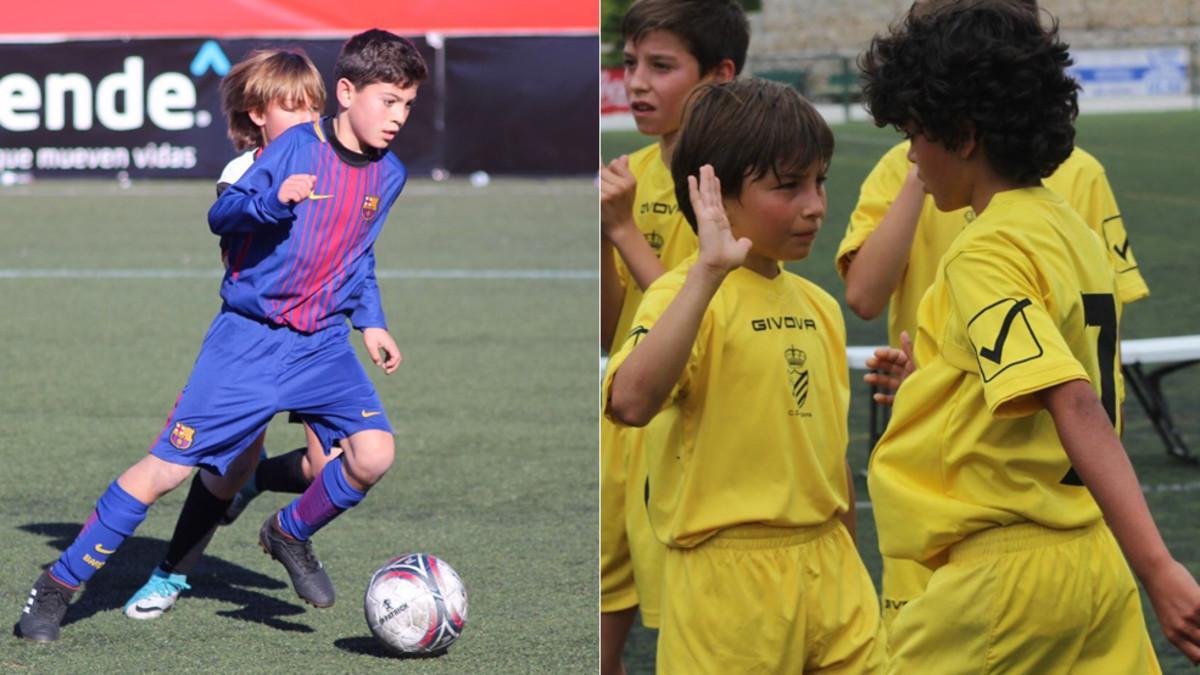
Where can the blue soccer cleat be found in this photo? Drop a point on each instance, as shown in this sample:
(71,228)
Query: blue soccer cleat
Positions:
(156,596)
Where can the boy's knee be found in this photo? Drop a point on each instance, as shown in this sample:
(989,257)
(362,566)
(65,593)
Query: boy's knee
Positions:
(369,456)
(152,477)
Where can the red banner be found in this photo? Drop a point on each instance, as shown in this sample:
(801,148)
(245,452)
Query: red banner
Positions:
(299,18)
(612,91)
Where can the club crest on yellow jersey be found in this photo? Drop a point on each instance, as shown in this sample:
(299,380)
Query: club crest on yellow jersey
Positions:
(370,207)
(182,435)
(797,375)
(656,242)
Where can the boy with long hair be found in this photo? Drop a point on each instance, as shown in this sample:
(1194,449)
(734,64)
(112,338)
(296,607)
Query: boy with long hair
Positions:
(1001,470)
(890,252)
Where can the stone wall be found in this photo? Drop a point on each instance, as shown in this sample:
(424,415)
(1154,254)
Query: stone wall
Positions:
(791,28)
(803,39)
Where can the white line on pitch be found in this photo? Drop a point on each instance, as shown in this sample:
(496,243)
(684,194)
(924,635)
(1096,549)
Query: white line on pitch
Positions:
(1171,487)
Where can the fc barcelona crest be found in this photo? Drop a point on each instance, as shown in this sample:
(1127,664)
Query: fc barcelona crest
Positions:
(182,435)
(370,207)
(797,377)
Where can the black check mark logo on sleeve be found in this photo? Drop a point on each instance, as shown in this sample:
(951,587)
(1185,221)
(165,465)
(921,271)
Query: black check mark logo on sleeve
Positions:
(994,354)
(1123,250)
(637,333)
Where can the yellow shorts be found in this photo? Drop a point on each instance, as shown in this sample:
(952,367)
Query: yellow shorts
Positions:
(617,591)
(631,556)
(903,581)
(757,599)
(1026,599)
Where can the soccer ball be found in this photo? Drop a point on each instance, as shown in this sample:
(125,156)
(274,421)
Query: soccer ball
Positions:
(416,604)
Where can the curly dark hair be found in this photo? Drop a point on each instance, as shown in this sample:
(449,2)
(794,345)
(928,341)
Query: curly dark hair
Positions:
(745,129)
(953,66)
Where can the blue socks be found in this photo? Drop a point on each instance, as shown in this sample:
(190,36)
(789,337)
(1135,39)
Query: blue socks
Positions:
(324,500)
(116,516)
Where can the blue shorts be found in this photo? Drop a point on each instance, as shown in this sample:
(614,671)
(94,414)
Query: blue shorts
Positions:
(327,436)
(247,372)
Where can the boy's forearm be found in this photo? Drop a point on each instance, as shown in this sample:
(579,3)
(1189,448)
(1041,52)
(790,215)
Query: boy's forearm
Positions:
(236,211)
(1100,460)
(648,375)
(612,294)
(639,257)
(876,269)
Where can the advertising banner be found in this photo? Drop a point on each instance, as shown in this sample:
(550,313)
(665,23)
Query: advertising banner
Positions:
(1159,71)
(151,107)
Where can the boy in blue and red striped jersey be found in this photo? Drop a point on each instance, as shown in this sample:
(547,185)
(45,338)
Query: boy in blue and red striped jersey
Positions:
(301,226)
(263,95)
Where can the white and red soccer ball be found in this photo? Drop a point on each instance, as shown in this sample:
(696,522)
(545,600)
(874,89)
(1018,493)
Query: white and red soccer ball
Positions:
(416,604)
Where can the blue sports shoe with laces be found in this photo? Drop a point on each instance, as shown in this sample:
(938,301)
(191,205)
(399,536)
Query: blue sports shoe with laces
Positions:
(156,596)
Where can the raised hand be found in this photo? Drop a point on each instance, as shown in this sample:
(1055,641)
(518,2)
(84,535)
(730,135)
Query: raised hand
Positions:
(618,186)
(719,250)
(296,188)
(889,368)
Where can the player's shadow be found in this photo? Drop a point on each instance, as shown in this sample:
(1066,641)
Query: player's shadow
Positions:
(369,646)
(214,579)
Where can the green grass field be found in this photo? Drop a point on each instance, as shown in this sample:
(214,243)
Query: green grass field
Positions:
(491,295)
(1150,160)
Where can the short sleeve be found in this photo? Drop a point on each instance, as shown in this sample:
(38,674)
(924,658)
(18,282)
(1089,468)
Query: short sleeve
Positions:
(1019,348)
(1098,207)
(875,197)
(656,300)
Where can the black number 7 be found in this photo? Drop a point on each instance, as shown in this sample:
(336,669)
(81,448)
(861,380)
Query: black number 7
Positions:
(1100,310)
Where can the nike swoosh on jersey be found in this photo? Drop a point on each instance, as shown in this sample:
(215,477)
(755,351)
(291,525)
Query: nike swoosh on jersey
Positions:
(371,414)
(994,353)
(313,195)
(101,549)
(1123,250)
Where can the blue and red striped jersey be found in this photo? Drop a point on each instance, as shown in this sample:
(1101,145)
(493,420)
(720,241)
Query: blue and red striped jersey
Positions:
(307,265)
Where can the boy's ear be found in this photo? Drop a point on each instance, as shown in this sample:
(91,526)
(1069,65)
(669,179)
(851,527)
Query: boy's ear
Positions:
(259,117)
(969,142)
(724,71)
(344,91)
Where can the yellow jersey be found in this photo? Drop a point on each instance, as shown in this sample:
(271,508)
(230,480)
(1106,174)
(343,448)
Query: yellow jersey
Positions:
(757,421)
(1022,301)
(656,213)
(1080,180)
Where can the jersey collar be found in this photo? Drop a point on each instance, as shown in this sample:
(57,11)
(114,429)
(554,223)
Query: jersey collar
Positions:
(356,159)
